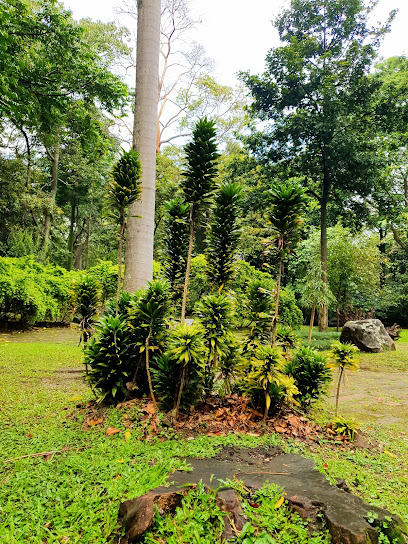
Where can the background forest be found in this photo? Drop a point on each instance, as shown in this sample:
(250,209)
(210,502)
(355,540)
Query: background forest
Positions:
(327,114)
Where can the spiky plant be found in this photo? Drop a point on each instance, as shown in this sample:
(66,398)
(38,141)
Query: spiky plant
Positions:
(343,357)
(198,184)
(288,202)
(230,363)
(109,361)
(311,372)
(286,338)
(259,312)
(223,234)
(216,315)
(119,307)
(186,349)
(166,380)
(175,244)
(87,301)
(124,188)
(147,322)
(267,367)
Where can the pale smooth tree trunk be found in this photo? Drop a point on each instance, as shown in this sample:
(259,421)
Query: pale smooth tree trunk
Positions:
(140,230)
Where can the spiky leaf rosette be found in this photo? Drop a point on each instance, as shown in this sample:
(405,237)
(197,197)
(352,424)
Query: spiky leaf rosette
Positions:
(311,372)
(125,186)
(286,338)
(224,233)
(120,308)
(201,166)
(216,315)
(107,356)
(147,316)
(175,243)
(288,202)
(87,300)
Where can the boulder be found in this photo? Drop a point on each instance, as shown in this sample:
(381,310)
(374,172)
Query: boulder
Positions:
(368,335)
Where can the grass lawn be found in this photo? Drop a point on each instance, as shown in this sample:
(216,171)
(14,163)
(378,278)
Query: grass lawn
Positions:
(75,495)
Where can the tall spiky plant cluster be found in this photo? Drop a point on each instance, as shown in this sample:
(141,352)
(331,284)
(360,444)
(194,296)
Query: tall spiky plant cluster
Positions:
(223,234)
(124,189)
(87,302)
(288,202)
(198,184)
(175,245)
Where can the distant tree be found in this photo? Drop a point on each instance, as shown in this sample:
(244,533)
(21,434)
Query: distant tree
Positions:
(315,101)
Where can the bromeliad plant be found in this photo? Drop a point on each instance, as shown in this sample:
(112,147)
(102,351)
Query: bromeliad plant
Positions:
(286,338)
(223,234)
(108,357)
(343,357)
(124,189)
(147,322)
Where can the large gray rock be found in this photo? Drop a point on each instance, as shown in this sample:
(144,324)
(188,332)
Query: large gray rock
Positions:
(368,335)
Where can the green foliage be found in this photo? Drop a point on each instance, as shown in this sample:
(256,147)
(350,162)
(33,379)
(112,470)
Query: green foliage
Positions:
(341,425)
(259,309)
(311,373)
(125,186)
(343,356)
(286,338)
(175,244)
(147,316)
(223,234)
(200,167)
(231,364)
(31,292)
(199,519)
(288,202)
(106,273)
(86,300)
(165,372)
(186,349)
(199,285)
(121,308)
(267,375)
(108,358)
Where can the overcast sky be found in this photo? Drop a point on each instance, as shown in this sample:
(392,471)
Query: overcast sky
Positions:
(238,33)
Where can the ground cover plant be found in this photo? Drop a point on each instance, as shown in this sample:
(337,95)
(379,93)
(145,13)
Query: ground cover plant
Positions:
(75,493)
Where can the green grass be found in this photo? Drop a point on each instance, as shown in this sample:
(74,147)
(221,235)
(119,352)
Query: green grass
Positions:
(320,340)
(76,494)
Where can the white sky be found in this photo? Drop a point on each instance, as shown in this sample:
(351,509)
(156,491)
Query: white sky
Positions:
(237,33)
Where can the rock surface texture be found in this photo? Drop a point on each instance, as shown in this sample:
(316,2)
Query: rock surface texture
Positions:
(368,335)
(308,492)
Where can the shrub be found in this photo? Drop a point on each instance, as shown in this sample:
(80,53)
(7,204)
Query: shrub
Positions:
(311,373)
(86,299)
(107,275)
(31,292)
(286,338)
(122,308)
(107,356)
(199,284)
(343,357)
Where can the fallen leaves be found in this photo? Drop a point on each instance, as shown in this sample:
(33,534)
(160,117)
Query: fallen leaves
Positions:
(112,430)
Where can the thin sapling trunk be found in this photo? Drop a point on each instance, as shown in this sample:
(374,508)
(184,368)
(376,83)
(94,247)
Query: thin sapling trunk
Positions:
(122,232)
(312,318)
(277,295)
(338,389)
(188,268)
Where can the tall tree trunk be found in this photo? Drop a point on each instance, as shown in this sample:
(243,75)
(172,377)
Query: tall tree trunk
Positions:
(312,318)
(277,295)
(140,230)
(188,268)
(54,183)
(71,231)
(323,309)
(88,241)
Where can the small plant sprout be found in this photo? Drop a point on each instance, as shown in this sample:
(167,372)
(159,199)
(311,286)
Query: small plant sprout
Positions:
(343,357)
